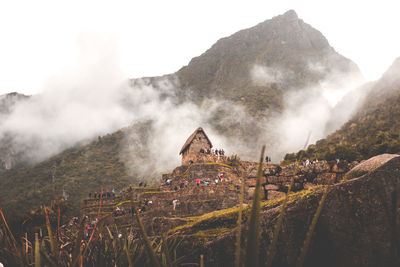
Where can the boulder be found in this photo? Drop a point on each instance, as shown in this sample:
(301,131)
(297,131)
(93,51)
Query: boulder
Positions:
(369,165)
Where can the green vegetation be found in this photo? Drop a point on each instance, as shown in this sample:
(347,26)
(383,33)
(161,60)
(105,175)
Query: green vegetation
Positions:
(253,241)
(103,248)
(374,130)
(76,171)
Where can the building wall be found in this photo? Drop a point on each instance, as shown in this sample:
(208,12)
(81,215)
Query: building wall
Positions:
(198,142)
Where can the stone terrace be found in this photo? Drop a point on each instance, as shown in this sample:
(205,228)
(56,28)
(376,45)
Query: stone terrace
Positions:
(193,200)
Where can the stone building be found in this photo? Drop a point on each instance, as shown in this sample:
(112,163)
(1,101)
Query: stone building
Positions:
(191,149)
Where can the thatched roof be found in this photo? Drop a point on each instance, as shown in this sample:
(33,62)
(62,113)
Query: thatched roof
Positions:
(190,139)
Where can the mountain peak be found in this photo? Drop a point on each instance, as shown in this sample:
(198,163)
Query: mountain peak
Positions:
(290,14)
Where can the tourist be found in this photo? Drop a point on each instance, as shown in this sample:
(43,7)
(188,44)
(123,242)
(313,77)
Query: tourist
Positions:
(116,212)
(216,181)
(182,185)
(223,152)
(88,230)
(90,194)
(198,182)
(221,176)
(207,183)
(174,202)
(140,183)
(113,192)
(176,188)
(168,181)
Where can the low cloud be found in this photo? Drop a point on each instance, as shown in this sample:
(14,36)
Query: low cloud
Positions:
(263,75)
(78,104)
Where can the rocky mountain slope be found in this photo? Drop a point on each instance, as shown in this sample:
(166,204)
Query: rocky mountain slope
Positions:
(373,130)
(255,66)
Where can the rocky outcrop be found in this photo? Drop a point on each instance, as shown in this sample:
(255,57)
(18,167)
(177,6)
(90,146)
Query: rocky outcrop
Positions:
(369,165)
(358,226)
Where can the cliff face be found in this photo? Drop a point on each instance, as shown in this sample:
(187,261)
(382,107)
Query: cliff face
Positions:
(358,225)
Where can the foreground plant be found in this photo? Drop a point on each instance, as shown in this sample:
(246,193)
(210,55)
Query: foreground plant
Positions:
(252,249)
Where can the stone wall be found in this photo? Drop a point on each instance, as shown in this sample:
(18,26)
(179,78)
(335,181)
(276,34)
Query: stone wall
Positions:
(199,142)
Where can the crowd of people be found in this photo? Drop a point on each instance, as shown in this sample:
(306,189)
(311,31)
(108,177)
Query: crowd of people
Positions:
(213,151)
(308,162)
(120,211)
(104,194)
(219,178)
(141,183)
(182,184)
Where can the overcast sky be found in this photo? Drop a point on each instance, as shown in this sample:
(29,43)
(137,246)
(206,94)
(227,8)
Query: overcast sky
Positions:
(39,39)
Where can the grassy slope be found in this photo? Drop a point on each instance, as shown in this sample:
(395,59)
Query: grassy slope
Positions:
(374,130)
(77,170)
